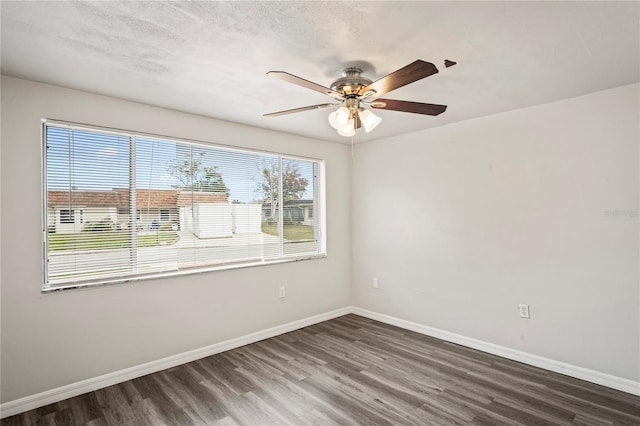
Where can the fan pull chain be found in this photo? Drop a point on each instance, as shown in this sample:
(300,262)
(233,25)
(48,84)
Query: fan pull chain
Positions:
(352,148)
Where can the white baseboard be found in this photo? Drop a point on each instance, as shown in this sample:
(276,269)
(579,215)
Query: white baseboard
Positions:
(614,382)
(74,389)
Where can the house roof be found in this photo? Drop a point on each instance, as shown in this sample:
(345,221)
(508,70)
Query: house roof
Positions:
(87,198)
(185,198)
(119,197)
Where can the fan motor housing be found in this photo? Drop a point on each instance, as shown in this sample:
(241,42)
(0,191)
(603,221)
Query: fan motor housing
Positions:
(351,83)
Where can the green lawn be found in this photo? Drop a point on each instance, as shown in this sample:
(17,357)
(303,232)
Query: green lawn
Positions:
(291,232)
(107,240)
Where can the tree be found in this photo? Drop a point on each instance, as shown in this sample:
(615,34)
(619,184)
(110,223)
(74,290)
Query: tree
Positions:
(294,184)
(194,176)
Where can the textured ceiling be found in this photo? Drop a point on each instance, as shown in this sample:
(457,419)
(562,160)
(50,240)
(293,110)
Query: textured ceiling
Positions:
(210,58)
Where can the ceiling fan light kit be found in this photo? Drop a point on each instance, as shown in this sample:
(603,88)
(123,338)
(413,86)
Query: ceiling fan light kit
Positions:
(344,119)
(354,92)
(348,129)
(339,117)
(369,120)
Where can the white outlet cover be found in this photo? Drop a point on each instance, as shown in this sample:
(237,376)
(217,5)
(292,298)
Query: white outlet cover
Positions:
(523,310)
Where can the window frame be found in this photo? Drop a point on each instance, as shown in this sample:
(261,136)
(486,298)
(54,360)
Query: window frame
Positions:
(319,206)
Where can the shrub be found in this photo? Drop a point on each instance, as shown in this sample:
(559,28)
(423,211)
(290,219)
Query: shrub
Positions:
(101,226)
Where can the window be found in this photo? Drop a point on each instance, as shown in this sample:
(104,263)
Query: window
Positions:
(154,206)
(66,216)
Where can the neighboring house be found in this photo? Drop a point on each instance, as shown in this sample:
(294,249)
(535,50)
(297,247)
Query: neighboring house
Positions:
(298,212)
(75,211)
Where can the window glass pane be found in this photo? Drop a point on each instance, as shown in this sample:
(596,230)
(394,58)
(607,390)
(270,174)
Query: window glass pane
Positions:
(298,201)
(85,173)
(266,188)
(157,196)
(186,206)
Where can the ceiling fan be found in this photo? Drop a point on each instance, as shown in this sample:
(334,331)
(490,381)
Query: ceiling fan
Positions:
(354,92)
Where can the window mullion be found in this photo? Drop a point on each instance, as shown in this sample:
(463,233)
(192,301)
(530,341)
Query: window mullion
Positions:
(280,208)
(316,228)
(45,207)
(133,249)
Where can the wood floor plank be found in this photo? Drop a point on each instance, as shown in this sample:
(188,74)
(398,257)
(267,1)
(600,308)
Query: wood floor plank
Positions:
(347,371)
(551,416)
(364,395)
(227,421)
(285,400)
(85,407)
(316,418)
(195,396)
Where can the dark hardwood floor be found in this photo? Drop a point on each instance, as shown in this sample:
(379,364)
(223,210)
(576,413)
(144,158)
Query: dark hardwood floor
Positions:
(350,370)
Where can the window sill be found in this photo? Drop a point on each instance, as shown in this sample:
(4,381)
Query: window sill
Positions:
(184,272)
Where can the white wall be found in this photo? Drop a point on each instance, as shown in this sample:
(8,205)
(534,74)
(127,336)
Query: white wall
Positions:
(461,223)
(533,206)
(49,340)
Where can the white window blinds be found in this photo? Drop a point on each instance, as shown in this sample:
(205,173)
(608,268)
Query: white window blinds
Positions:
(122,206)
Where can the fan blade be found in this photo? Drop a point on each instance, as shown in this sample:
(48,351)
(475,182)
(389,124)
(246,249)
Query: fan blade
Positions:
(407,106)
(304,83)
(291,111)
(413,72)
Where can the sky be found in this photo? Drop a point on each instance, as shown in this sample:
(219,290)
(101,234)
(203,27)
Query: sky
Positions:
(92,160)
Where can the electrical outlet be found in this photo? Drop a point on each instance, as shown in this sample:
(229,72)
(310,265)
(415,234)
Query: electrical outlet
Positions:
(282,293)
(523,310)
(375,283)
